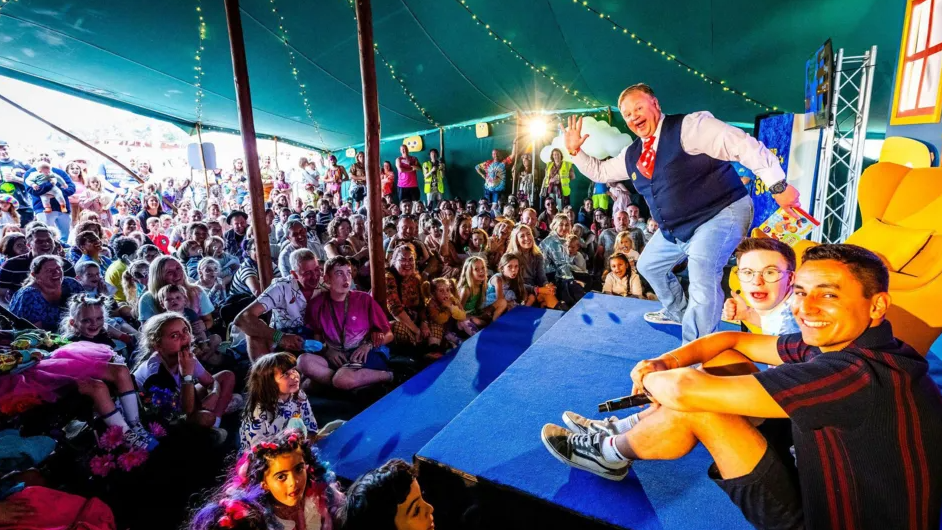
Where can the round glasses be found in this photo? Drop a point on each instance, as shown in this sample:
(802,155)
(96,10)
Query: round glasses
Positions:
(769,274)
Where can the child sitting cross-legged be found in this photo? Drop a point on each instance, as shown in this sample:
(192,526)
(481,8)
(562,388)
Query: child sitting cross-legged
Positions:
(622,278)
(274,399)
(444,309)
(507,284)
(472,288)
(206,347)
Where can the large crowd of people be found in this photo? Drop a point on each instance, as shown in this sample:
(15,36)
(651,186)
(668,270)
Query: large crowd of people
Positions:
(148,294)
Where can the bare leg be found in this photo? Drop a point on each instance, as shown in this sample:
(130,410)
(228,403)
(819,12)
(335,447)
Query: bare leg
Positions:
(351,378)
(98,392)
(499,307)
(315,368)
(120,377)
(225,383)
(258,347)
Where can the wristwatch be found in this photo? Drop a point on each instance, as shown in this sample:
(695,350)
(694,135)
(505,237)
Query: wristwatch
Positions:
(189,380)
(778,187)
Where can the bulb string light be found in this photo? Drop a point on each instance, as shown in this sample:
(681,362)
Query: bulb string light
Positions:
(4,3)
(398,77)
(539,69)
(200,48)
(295,73)
(618,28)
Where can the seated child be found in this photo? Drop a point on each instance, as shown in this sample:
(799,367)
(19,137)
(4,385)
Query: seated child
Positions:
(472,290)
(190,253)
(576,259)
(155,233)
(206,347)
(444,309)
(386,497)
(168,366)
(288,459)
(43,175)
(477,245)
(507,284)
(622,279)
(766,275)
(239,510)
(323,216)
(87,320)
(274,397)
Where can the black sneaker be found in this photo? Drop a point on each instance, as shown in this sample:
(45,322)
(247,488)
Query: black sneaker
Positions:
(581,425)
(582,451)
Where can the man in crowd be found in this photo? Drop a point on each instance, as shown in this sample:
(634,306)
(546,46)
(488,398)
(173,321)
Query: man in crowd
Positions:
(298,239)
(234,237)
(434,171)
(865,415)
(287,298)
(634,217)
(41,241)
(494,173)
(12,172)
(680,164)
(607,237)
(407,231)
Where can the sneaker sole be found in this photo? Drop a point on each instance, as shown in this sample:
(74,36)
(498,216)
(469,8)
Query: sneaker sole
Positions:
(572,464)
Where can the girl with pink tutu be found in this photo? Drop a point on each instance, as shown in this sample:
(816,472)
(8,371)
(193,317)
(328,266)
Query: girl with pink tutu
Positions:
(87,367)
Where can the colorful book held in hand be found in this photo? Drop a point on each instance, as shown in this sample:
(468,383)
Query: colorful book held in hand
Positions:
(788,229)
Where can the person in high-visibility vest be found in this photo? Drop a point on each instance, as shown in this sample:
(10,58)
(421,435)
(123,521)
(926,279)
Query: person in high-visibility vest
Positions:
(558,176)
(434,171)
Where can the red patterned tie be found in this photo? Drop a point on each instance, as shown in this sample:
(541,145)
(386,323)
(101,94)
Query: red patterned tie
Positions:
(646,162)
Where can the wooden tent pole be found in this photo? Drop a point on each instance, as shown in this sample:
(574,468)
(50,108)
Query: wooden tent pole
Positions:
(85,144)
(240,72)
(199,138)
(364,13)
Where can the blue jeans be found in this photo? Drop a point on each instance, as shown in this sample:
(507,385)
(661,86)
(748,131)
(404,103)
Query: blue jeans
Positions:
(492,196)
(62,221)
(707,252)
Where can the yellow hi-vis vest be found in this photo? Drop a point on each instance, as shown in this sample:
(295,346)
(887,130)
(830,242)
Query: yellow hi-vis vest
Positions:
(565,170)
(439,175)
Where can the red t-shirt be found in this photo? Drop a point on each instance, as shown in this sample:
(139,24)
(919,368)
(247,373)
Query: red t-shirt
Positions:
(388,179)
(161,241)
(363,316)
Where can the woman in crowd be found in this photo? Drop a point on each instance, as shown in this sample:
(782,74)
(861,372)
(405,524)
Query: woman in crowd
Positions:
(95,199)
(43,299)
(12,245)
(458,236)
(339,244)
(497,246)
(404,301)
(76,172)
(333,178)
(358,176)
(167,270)
(134,282)
(558,174)
(532,266)
(388,180)
(151,209)
(246,278)
(556,250)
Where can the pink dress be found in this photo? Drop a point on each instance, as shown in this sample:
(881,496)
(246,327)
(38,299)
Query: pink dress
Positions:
(74,362)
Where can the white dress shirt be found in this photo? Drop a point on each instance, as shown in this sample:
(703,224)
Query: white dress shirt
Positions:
(700,134)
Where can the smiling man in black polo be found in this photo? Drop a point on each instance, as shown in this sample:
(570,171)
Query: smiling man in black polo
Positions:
(866,419)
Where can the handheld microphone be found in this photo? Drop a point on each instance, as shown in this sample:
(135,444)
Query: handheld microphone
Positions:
(625,402)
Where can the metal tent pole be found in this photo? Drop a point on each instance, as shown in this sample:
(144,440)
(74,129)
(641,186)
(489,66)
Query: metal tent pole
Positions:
(374,187)
(240,72)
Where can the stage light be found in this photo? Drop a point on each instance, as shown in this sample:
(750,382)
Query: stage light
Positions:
(537,127)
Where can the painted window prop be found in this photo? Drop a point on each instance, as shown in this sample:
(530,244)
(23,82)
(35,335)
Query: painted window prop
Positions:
(917,95)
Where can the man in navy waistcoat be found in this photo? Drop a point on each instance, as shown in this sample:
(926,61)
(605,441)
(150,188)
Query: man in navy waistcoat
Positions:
(681,165)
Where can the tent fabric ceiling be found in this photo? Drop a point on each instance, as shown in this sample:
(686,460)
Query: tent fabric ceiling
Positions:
(142,56)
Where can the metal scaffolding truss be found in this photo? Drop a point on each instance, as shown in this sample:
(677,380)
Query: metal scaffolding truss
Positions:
(842,147)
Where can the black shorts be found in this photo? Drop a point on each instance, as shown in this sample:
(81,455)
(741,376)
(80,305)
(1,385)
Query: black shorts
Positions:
(409,194)
(358,192)
(769,496)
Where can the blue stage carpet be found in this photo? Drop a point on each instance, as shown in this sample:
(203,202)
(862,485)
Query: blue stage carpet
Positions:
(400,423)
(583,360)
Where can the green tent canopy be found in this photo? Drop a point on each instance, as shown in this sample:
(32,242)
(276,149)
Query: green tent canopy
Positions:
(439,62)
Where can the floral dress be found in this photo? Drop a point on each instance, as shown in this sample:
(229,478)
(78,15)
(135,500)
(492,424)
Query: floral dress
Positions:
(264,425)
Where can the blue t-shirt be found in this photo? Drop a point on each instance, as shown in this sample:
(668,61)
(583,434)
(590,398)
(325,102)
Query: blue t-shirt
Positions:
(28,303)
(599,189)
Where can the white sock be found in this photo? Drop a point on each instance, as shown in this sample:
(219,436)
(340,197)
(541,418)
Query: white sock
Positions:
(129,407)
(114,418)
(610,452)
(624,425)
(218,421)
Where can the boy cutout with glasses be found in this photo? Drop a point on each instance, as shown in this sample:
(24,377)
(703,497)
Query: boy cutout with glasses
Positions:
(766,276)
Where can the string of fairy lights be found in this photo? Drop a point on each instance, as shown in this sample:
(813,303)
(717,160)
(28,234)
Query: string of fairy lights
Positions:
(539,69)
(302,87)
(4,3)
(398,77)
(671,57)
(199,62)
